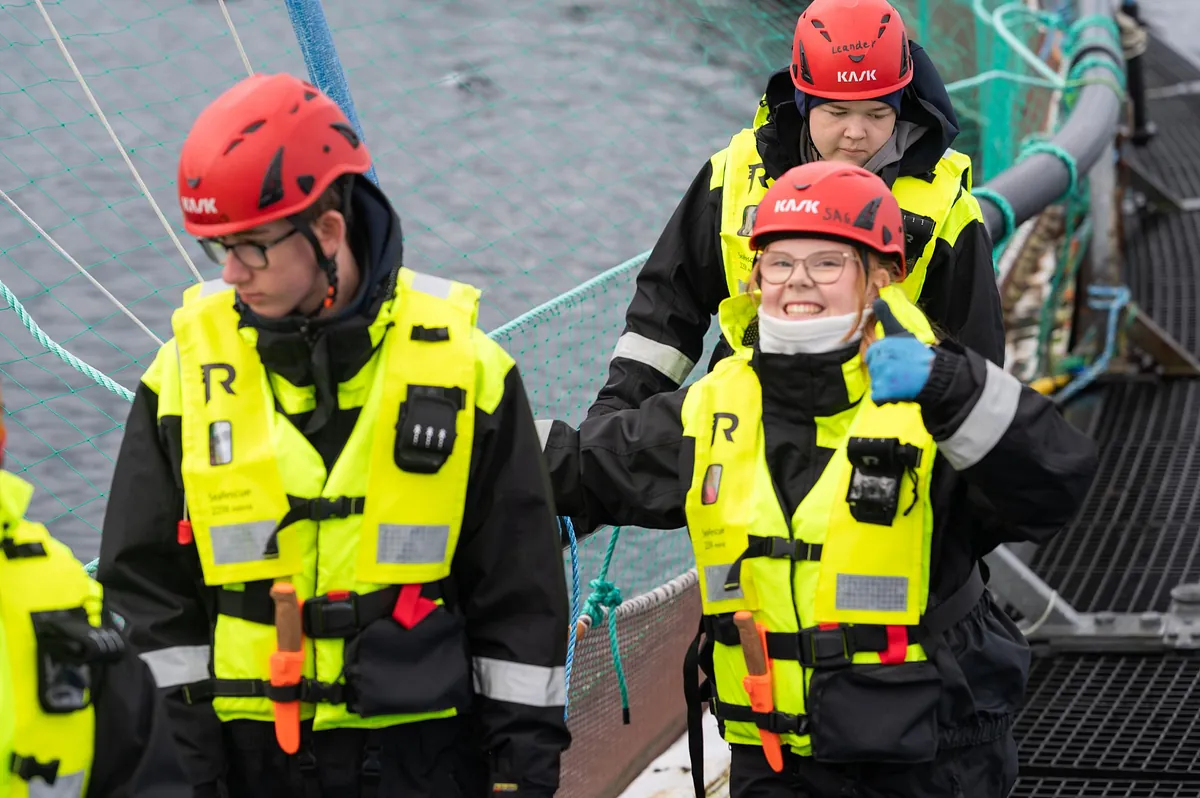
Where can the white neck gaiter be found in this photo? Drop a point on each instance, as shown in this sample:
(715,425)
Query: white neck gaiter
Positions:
(805,336)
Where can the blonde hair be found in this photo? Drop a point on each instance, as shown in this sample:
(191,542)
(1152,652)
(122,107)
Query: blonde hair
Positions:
(883,272)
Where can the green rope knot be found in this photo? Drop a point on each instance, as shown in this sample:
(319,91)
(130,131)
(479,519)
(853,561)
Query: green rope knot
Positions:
(1075,80)
(604,594)
(1050,148)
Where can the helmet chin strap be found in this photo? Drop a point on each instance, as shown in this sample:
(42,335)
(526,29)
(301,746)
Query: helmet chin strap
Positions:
(328,265)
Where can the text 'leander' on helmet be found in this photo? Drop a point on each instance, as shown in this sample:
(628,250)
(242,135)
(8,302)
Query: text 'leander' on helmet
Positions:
(850,50)
(266,149)
(832,199)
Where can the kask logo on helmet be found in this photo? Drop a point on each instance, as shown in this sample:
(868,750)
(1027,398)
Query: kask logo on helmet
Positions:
(202,205)
(850,76)
(797,206)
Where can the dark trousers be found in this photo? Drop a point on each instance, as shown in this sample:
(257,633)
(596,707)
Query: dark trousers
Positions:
(982,771)
(431,759)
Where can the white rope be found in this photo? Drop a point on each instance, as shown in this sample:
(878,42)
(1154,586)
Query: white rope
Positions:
(75,263)
(236,39)
(1045,615)
(112,133)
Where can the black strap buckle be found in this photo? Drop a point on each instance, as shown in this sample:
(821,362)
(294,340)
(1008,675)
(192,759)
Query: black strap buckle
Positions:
(17,551)
(28,768)
(322,508)
(781,722)
(828,648)
(308,691)
(332,615)
(879,466)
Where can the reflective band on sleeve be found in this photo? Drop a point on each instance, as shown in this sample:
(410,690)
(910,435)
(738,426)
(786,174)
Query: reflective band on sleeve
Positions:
(237,543)
(411,544)
(543,431)
(660,357)
(872,593)
(987,422)
(179,665)
(518,683)
(714,581)
(434,286)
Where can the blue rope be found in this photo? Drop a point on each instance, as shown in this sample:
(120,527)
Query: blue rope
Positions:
(606,594)
(564,521)
(1100,297)
(321,57)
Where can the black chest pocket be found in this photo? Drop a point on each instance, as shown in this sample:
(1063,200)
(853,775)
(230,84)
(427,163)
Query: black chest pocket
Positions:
(918,231)
(427,427)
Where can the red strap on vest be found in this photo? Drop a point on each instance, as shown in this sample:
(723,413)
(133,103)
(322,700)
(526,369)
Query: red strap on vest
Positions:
(411,607)
(897,648)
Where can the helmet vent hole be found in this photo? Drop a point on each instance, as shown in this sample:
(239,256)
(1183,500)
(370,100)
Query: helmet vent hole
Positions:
(309,95)
(866,217)
(253,126)
(347,133)
(193,182)
(305,182)
(233,144)
(295,108)
(272,185)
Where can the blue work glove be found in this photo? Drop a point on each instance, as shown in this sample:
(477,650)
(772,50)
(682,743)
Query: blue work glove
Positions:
(899,364)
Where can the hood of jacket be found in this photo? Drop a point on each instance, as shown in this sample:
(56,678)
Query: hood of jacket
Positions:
(781,131)
(326,351)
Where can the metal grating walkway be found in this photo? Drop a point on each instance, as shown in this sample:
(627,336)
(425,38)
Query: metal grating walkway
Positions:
(1101,726)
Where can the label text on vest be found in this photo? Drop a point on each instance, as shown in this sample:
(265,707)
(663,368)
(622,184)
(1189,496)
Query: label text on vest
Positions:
(717,419)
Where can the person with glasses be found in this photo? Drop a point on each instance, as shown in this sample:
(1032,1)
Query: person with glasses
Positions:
(833,473)
(857,91)
(330,528)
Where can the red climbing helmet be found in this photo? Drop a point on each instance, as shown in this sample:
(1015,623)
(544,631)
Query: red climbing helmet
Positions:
(264,150)
(829,198)
(851,50)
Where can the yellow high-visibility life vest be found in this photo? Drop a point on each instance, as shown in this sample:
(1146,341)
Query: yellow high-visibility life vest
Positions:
(929,207)
(848,572)
(47,720)
(388,513)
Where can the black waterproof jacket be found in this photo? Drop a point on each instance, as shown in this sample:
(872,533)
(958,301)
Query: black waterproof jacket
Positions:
(506,581)
(635,467)
(683,281)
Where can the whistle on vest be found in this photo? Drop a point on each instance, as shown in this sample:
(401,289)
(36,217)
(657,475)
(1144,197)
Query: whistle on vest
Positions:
(287,663)
(753,637)
(879,466)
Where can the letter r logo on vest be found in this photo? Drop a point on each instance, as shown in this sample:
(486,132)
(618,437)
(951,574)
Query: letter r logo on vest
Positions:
(201,205)
(227,383)
(851,76)
(797,206)
(731,419)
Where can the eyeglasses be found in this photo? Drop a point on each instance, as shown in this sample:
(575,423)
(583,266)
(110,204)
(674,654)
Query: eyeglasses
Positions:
(822,268)
(253,255)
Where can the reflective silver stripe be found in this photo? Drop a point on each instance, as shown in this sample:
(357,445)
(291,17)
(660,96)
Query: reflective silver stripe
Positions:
(543,431)
(669,361)
(235,543)
(411,544)
(987,422)
(872,593)
(518,683)
(210,287)
(434,286)
(67,785)
(714,582)
(172,667)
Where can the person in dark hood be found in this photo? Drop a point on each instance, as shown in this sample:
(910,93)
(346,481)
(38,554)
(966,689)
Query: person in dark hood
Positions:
(330,529)
(860,92)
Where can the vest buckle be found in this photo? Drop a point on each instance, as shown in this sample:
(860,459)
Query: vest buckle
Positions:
(28,768)
(828,647)
(879,465)
(334,614)
(427,427)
